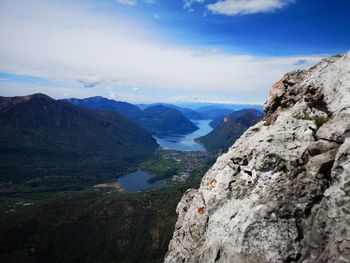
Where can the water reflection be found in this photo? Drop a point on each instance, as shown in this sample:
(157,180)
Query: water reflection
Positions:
(137,181)
(186,142)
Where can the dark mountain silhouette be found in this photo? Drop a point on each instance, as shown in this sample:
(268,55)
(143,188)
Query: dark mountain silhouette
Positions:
(216,122)
(213,112)
(165,120)
(189,113)
(157,118)
(101,103)
(228,129)
(53,143)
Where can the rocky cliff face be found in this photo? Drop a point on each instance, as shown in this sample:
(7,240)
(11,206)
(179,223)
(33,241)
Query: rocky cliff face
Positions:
(282,191)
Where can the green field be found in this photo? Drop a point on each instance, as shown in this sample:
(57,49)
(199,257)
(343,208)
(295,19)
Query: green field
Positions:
(161,167)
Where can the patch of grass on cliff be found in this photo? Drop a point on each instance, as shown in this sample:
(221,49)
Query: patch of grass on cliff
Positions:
(318,120)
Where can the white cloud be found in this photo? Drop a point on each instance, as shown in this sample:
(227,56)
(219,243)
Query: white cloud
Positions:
(63,44)
(128,2)
(113,95)
(235,7)
(187,4)
(89,81)
(135,2)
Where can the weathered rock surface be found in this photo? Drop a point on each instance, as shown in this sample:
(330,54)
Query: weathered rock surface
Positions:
(282,191)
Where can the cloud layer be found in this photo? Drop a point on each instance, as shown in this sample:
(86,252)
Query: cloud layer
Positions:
(235,7)
(134,2)
(238,7)
(127,2)
(76,45)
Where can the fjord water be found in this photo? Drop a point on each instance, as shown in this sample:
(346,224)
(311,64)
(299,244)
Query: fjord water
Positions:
(137,181)
(186,142)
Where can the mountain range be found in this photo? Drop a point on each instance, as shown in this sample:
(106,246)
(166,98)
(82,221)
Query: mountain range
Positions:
(101,103)
(159,119)
(50,143)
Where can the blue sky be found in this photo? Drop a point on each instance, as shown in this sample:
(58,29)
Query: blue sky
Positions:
(228,51)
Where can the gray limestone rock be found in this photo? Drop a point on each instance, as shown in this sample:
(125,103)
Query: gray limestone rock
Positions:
(282,191)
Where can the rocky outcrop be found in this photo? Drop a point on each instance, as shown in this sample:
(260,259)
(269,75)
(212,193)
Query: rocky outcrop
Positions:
(282,191)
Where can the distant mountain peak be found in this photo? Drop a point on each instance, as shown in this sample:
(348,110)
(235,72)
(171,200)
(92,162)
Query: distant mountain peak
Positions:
(35,96)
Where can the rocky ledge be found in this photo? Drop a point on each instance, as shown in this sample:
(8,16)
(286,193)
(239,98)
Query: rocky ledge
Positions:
(282,191)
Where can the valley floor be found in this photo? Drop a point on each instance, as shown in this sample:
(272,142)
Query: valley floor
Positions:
(101,223)
(177,166)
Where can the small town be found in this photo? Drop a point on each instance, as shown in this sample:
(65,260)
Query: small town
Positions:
(178,166)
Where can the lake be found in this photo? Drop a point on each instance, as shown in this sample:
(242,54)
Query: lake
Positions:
(137,181)
(186,142)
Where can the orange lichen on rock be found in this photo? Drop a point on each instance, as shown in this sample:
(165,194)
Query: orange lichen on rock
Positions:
(201,210)
(280,84)
(213,183)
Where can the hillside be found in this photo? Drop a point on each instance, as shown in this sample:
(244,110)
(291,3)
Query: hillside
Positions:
(229,128)
(101,103)
(158,118)
(49,143)
(89,227)
(217,121)
(213,112)
(189,113)
(164,120)
(281,192)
